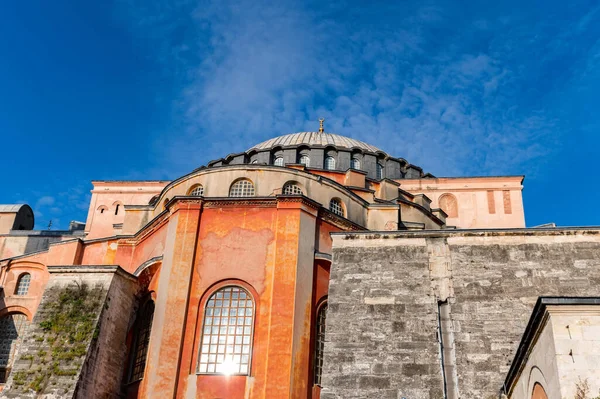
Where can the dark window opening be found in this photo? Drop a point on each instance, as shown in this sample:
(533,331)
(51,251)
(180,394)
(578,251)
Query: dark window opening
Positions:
(117,209)
(320,343)
(141,341)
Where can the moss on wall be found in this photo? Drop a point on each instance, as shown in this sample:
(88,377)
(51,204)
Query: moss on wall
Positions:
(59,339)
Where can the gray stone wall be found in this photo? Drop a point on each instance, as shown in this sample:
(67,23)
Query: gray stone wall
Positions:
(75,345)
(384,296)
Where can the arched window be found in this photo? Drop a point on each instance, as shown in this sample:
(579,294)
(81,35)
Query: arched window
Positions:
(320,343)
(380,174)
(197,191)
(117,209)
(330,163)
(23,284)
(242,188)
(278,161)
(335,206)
(255,162)
(292,188)
(102,208)
(141,340)
(449,204)
(355,163)
(305,160)
(12,327)
(227,332)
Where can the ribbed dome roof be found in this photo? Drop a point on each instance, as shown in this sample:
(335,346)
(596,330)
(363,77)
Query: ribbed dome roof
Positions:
(314,138)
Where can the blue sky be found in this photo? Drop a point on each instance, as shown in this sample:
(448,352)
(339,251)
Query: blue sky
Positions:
(152,90)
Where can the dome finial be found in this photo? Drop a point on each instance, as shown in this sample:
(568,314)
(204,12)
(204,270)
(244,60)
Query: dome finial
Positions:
(321,129)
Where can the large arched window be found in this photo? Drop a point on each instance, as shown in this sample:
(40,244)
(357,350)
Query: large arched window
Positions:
(226,346)
(197,191)
(242,188)
(22,287)
(355,163)
(141,340)
(380,171)
(319,343)
(12,327)
(335,206)
(292,188)
(305,160)
(330,163)
(278,161)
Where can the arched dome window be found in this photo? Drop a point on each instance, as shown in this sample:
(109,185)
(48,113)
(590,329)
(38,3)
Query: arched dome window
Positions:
(228,326)
(320,342)
(355,163)
(292,188)
(197,191)
(255,162)
(242,188)
(102,208)
(335,206)
(380,171)
(141,341)
(305,160)
(12,328)
(278,161)
(330,163)
(22,287)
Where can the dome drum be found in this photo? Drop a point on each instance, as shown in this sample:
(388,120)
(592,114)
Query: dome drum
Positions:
(324,151)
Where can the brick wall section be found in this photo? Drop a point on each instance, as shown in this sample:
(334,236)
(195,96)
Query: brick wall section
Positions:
(496,277)
(381,335)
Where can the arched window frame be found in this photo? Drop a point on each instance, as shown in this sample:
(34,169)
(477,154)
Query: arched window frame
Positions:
(336,206)
(117,205)
(141,341)
(102,208)
(329,163)
(241,188)
(278,161)
(379,171)
(292,188)
(320,323)
(196,191)
(23,283)
(304,160)
(206,344)
(355,163)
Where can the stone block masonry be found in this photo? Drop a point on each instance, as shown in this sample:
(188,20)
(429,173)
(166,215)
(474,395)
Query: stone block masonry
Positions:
(69,349)
(384,334)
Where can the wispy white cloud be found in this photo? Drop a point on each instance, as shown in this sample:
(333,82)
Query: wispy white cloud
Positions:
(258,69)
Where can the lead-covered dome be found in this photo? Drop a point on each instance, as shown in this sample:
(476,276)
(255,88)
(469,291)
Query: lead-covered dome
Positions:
(314,139)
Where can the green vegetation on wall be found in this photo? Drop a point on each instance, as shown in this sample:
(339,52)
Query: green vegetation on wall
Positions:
(58,344)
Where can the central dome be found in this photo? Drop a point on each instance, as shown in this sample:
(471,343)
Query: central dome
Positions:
(314,138)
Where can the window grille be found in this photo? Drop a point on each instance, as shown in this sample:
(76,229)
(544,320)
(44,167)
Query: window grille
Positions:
(320,343)
(355,164)
(142,339)
(305,160)
(197,191)
(23,284)
(292,189)
(278,161)
(380,171)
(335,206)
(227,332)
(242,188)
(12,327)
(330,163)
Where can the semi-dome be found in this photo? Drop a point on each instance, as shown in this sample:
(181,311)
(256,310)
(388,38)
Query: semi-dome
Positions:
(314,139)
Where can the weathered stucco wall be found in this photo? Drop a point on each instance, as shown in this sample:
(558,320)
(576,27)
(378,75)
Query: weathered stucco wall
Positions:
(383,305)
